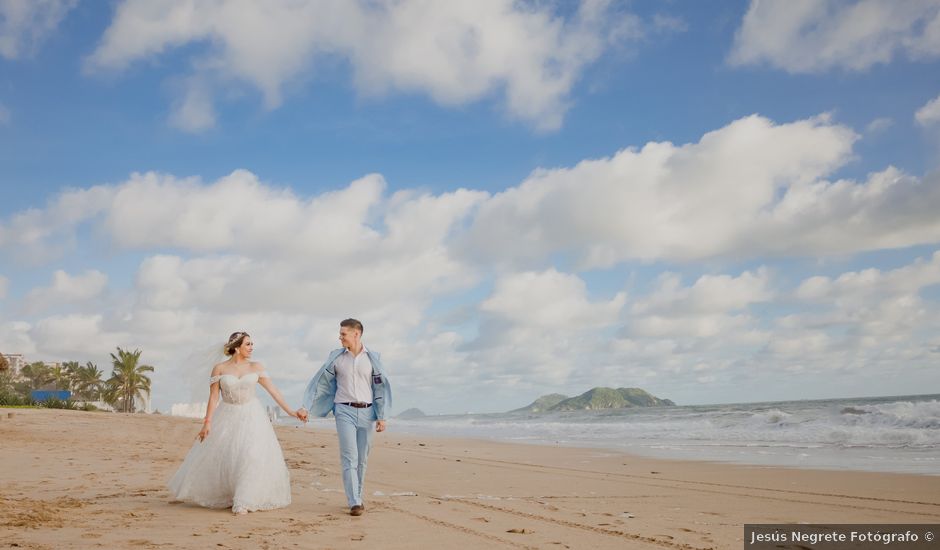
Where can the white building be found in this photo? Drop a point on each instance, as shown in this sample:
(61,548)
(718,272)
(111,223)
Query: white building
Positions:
(16,362)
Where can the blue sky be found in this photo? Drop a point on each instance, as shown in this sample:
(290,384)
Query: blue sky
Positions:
(716,202)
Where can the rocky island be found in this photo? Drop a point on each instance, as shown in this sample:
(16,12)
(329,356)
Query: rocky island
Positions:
(596,398)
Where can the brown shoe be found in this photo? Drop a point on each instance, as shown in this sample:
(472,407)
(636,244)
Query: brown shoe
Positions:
(356,510)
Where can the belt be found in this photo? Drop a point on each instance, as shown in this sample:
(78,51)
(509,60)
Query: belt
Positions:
(358,405)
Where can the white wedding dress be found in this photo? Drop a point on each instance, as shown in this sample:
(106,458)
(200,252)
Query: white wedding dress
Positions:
(239,464)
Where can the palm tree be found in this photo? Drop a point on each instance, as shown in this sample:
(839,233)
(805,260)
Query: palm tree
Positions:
(128,379)
(60,375)
(111,393)
(87,380)
(67,372)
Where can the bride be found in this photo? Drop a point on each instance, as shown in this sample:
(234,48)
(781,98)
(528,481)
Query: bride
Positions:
(237,462)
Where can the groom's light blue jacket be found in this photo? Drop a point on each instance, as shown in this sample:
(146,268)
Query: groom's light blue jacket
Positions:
(320,392)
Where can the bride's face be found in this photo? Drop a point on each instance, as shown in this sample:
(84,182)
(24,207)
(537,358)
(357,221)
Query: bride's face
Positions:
(246,348)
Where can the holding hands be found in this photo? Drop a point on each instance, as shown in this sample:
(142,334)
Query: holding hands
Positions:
(301,414)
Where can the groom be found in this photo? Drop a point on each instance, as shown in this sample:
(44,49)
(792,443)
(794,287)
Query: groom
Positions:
(353,385)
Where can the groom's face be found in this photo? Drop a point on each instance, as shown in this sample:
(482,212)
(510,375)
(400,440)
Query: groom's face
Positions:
(348,337)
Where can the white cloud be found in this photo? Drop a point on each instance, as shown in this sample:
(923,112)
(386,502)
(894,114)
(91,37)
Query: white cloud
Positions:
(37,235)
(24,24)
(239,254)
(861,286)
(878,125)
(455,52)
(929,114)
(238,214)
(714,305)
(696,326)
(194,111)
(15,338)
(804,36)
(859,325)
(215,284)
(66,289)
(539,331)
(862,318)
(250,257)
(536,328)
(69,336)
(800,345)
(669,23)
(548,300)
(709,294)
(750,189)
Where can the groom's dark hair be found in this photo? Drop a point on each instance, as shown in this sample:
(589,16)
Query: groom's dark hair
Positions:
(352,323)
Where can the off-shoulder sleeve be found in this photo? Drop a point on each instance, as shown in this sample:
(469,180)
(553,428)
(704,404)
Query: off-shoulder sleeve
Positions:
(263,374)
(214,379)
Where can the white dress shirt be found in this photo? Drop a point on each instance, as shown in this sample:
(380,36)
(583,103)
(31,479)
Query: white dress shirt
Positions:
(353,378)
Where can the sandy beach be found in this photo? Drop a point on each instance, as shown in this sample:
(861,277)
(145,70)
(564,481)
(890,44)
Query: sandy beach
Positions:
(97,480)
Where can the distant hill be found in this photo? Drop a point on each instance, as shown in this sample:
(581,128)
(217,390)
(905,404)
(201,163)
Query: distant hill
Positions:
(543,403)
(610,398)
(411,413)
(597,398)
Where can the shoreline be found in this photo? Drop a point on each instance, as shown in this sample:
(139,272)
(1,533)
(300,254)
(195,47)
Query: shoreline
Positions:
(632,453)
(883,434)
(97,480)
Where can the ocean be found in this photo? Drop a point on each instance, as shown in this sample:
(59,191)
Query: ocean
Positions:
(884,434)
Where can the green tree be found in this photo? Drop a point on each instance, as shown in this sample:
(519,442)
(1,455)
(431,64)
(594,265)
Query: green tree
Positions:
(37,375)
(128,379)
(4,364)
(65,375)
(7,385)
(70,367)
(87,381)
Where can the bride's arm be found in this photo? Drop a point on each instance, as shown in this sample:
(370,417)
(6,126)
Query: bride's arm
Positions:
(266,382)
(213,403)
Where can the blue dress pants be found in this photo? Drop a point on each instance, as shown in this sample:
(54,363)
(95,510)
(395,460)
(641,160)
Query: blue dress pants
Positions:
(355,428)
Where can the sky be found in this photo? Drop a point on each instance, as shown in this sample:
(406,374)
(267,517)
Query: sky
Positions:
(718,202)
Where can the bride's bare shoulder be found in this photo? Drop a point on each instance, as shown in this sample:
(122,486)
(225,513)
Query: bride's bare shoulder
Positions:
(217,369)
(257,366)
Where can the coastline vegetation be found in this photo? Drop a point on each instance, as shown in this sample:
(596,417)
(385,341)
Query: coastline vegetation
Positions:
(86,384)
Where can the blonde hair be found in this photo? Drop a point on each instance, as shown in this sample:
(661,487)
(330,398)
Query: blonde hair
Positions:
(234,342)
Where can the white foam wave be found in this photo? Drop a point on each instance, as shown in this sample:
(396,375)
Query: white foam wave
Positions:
(189,410)
(799,429)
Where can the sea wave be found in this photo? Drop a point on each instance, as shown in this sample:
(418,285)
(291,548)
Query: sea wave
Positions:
(878,433)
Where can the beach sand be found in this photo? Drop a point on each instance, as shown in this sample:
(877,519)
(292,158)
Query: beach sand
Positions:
(97,480)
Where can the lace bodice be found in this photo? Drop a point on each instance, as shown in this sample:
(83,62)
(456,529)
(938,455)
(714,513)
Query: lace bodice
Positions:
(238,390)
